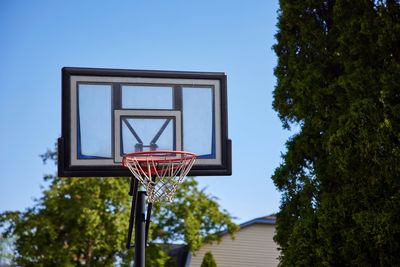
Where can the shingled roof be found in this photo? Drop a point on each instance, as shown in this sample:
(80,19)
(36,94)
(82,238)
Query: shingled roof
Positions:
(269,219)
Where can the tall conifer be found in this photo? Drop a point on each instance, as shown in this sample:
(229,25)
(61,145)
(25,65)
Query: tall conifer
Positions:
(338,80)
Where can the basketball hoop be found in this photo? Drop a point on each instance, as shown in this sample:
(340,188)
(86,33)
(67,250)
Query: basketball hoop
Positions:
(159,172)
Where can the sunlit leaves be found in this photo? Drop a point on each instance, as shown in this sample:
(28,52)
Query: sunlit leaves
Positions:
(84,221)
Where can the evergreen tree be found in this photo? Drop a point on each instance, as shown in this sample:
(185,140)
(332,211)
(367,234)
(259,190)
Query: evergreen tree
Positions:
(84,221)
(338,80)
(208,260)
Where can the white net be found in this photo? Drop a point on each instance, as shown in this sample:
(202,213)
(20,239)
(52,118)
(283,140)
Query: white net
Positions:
(160,172)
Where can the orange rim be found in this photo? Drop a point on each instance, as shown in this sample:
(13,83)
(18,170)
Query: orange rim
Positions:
(136,156)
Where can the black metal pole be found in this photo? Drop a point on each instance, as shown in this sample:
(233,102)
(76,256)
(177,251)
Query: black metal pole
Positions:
(148,215)
(132,192)
(140,230)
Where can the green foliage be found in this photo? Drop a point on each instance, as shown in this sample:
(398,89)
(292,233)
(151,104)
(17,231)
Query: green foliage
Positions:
(84,221)
(78,221)
(194,217)
(338,80)
(208,260)
(157,257)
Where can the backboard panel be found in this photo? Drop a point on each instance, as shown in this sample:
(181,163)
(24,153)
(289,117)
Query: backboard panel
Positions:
(107,113)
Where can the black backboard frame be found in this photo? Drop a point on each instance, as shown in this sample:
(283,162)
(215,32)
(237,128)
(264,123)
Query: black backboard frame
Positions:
(65,168)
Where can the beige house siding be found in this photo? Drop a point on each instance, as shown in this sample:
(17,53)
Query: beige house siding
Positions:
(253,247)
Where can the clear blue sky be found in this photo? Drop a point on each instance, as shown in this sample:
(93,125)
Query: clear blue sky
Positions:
(38,38)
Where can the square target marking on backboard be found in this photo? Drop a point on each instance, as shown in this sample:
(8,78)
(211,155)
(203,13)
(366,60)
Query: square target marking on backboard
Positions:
(107,113)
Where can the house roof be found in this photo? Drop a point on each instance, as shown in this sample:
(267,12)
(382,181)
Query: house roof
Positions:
(269,219)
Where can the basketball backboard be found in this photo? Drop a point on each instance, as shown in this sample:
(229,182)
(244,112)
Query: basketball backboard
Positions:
(108,113)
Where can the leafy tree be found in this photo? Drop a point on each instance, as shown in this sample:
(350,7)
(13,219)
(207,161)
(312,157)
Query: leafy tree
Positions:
(84,221)
(338,81)
(78,221)
(208,260)
(193,217)
(5,249)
